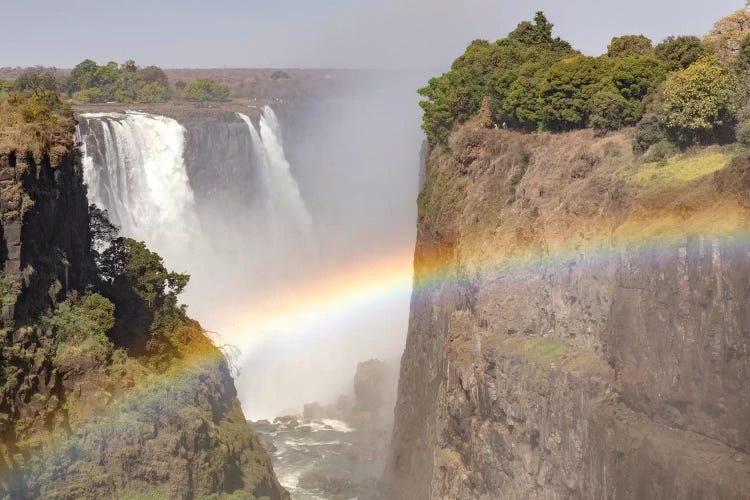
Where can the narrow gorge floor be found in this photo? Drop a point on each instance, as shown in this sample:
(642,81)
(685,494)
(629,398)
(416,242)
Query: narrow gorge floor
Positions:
(322,459)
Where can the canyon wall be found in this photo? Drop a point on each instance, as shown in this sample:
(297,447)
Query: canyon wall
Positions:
(77,421)
(580,324)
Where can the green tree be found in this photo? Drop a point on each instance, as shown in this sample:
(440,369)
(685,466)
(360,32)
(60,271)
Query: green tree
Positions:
(680,52)
(609,110)
(567,92)
(135,278)
(538,33)
(205,89)
(636,78)
(698,101)
(630,45)
(83,76)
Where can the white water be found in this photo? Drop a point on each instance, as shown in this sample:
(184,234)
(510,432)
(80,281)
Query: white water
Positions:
(283,201)
(139,176)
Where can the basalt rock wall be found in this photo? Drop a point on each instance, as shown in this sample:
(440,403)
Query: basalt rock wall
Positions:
(578,329)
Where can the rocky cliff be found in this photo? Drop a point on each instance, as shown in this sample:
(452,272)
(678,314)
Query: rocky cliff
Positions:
(580,324)
(81,418)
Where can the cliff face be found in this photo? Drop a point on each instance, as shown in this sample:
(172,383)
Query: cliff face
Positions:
(78,421)
(580,326)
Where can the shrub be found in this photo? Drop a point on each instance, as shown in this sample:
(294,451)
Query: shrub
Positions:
(742,132)
(660,152)
(649,131)
(280,75)
(205,89)
(90,95)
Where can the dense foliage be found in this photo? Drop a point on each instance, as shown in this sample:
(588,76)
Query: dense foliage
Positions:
(535,81)
(89,82)
(128,83)
(681,92)
(148,318)
(205,89)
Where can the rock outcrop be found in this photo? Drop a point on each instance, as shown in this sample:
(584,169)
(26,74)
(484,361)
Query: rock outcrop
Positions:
(77,422)
(580,326)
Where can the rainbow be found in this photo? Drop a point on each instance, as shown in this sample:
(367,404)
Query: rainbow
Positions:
(598,241)
(478,256)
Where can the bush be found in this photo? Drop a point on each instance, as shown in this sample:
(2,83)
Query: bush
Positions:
(660,152)
(204,90)
(90,95)
(280,75)
(649,131)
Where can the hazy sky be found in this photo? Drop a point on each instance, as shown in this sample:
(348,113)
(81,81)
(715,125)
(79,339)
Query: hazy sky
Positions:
(317,33)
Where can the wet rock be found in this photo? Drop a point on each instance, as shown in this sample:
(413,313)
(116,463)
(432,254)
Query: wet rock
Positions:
(314,411)
(288,420)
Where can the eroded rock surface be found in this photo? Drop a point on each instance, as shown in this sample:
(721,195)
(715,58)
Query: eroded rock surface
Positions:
(574,333)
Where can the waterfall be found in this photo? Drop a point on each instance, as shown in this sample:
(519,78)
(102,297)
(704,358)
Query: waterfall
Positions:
(283,200)
(135,169)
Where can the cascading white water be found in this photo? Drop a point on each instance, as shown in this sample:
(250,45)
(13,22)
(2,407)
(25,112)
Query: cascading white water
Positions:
(283,200)
(138,174)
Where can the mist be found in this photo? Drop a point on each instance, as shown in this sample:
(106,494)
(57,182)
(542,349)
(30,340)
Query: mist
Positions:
(294,306)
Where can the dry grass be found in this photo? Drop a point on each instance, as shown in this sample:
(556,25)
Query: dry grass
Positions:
(681,169)
(40,124)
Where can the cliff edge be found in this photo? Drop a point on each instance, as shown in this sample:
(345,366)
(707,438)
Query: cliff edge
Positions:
(580,323)
(107,388)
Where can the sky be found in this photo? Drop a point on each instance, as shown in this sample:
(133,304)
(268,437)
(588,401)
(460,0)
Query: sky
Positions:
(397,34)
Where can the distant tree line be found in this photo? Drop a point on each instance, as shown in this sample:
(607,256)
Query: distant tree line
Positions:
(682,91)
(89,82)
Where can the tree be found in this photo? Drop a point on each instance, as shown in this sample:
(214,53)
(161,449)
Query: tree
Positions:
(205,89)
(129,66)
(134,278)
(608,110)
(567,92)
(698,101)
(538,33)
(280,75)
(82,77)
(637,45)
(37,80)
(725,39)
(635,78)
(680,52)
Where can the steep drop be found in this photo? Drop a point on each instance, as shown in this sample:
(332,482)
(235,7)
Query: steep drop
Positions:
(134,167)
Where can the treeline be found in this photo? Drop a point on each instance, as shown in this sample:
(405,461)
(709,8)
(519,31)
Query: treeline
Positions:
(89,82)
(682,91)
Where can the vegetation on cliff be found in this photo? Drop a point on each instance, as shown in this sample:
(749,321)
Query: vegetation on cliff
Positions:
(107,388)
(39,122)
(683,91)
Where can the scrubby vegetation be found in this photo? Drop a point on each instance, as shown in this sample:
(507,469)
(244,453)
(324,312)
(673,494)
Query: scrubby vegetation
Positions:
(205,89)
(681,92)
(37,121)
